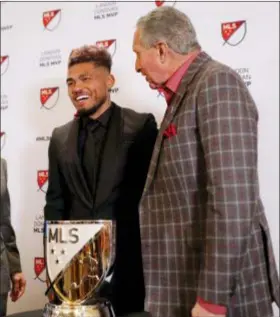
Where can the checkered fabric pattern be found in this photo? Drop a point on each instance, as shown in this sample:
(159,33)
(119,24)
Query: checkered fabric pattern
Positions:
(203,228)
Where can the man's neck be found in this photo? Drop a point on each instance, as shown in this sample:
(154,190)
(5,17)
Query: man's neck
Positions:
(101,110)
(177,61)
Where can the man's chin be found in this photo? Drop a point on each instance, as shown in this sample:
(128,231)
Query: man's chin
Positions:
(86,112)
(83,112)
(153,86)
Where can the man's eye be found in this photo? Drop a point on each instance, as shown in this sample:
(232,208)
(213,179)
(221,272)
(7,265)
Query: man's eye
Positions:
(85,78)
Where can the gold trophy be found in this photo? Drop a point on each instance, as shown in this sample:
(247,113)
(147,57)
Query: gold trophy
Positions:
(78,258)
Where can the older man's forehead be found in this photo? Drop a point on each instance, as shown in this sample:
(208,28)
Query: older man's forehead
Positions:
(136,41)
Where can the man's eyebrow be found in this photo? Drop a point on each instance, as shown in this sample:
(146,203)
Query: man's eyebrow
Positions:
(81,75)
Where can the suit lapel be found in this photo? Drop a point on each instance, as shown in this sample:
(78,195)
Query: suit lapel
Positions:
(109,157)
(171,111)
(74,165)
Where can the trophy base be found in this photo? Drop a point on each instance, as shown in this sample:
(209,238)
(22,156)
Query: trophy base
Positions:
(65,310)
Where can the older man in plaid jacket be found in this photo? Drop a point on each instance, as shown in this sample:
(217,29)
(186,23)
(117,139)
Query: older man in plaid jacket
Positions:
(206,244)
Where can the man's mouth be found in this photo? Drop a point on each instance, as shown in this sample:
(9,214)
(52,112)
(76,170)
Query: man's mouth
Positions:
(82,97)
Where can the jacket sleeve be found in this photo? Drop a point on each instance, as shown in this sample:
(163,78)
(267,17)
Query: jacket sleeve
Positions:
(55,199)
(7,231)
(227,119)
(143,149)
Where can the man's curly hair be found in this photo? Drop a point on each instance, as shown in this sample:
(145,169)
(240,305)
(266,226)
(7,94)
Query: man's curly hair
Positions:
(91,54)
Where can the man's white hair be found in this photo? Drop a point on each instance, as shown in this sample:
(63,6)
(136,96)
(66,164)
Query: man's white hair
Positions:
(169,25)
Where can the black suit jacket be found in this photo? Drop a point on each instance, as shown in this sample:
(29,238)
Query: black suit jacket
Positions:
(9,254)
(124,165)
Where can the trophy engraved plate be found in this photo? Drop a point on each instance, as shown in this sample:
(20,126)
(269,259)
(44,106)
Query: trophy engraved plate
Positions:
(78,258)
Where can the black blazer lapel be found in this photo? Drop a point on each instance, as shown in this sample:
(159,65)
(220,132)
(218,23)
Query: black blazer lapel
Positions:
(109,157)
(74,165)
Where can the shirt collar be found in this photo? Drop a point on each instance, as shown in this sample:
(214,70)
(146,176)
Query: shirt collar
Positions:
(102,120)
(174,81)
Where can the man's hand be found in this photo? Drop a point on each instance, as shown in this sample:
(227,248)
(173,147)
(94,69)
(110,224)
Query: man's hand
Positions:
(18,286)
(199,311)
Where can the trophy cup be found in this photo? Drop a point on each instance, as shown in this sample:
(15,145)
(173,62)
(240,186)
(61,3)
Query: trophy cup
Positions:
(78,257)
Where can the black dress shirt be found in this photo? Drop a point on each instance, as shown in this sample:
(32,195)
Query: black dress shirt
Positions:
(92,137)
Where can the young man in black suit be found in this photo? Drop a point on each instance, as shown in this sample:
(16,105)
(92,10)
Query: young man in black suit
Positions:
(98,164)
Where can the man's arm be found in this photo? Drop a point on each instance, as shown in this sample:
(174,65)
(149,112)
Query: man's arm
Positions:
(7,230)
(55,197)
(55,200)
(9,239)
(143,150)
(228,130)
(137,165)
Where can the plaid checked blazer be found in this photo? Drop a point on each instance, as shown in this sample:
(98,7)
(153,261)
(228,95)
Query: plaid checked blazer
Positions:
(203,228)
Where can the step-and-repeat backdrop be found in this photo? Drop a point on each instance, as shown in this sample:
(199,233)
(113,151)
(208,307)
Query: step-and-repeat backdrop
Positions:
(36,39)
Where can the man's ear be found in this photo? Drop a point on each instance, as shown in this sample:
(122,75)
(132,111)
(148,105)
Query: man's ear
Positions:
(162,49)
(110,81)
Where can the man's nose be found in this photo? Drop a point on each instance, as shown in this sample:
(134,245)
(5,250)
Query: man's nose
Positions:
(77,88)
(137,66)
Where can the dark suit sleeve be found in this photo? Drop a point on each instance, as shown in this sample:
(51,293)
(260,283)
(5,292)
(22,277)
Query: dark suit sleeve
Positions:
(129,273)
(55,197)
(142,152)
(7,231)
(228,129)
